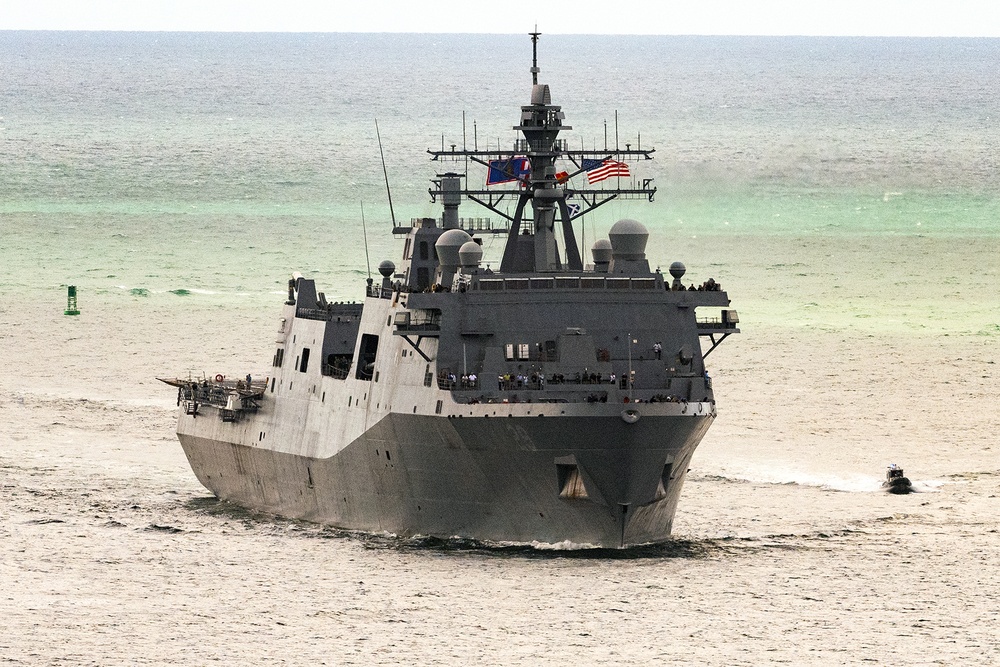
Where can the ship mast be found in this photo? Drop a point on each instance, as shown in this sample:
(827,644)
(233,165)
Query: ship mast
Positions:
(541,122)
(541,190)
(534,56)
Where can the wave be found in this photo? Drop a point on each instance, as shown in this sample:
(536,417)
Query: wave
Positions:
(927,485)
(852,483)
(675,547)
(182,291)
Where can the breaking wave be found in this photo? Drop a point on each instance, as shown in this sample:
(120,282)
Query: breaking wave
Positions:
(850,483)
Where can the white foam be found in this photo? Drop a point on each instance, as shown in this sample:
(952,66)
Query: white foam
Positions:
(853,483)
(565,545)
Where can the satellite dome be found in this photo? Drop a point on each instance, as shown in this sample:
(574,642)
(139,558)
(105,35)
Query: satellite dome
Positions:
(470,254)
(386,268)
(677,270)
(448,244)
(601,251)
(628,239)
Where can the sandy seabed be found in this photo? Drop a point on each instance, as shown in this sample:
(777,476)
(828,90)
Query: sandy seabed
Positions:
(786,551)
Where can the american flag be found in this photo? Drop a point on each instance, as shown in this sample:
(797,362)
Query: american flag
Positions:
(605,170)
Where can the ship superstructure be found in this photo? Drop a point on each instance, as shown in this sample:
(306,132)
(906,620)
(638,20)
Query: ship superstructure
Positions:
(544,401)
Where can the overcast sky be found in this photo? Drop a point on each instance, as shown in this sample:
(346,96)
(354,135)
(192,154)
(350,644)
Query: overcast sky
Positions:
(663,17)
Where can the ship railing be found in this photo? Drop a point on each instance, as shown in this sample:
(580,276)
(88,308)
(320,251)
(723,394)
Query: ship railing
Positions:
(728,320)
(450,381)
(581,378)
(426,329)
(426,322)
(379,292)
(715,323)
(327,312)
(218,393)
(539,146)
(484,225)
(539,382)
(491,284)
(321,314)
(512,382)
(596,396)
(480,225)
(336,372)
(506,383)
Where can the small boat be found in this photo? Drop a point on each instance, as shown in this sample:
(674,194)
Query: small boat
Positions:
(895,481)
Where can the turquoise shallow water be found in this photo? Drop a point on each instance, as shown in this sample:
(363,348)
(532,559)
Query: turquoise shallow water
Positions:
(836,243)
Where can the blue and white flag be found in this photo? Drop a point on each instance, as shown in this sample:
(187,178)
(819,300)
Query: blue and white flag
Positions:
(505,171)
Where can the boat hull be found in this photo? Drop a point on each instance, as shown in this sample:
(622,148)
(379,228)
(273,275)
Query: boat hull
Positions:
(599,481)
(898,485)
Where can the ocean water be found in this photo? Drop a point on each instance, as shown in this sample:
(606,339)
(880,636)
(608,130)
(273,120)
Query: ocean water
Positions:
(842,190)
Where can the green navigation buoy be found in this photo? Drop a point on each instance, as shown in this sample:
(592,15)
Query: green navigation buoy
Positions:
(71,308)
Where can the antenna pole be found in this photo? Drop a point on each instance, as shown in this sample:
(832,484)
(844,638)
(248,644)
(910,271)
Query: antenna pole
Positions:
(616,131)
(364,231)
(388,193)
(534,55)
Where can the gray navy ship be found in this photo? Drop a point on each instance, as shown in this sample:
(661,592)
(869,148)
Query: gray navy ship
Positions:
(542,402)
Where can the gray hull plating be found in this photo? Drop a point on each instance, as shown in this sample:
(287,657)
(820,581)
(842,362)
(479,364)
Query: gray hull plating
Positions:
(492,479)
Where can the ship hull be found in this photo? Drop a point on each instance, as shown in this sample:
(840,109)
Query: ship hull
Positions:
(598,481)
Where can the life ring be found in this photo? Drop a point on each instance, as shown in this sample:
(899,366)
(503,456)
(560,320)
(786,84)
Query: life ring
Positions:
(219,377)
